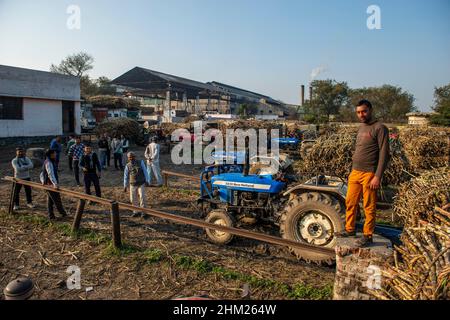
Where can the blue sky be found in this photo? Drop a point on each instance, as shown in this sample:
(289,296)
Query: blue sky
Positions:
(266,46)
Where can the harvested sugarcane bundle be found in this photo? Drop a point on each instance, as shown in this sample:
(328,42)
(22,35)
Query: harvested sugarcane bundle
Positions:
(115,127)
(417,198)
(168,127)
(250,124)
(426,147)
(113,102)
(332,155)
(310,134)
(422,262)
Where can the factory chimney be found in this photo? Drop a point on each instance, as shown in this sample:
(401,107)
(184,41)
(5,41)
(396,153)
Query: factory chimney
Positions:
(310,94)
(302,95)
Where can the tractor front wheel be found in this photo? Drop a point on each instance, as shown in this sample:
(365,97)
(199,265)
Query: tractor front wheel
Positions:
(219,217)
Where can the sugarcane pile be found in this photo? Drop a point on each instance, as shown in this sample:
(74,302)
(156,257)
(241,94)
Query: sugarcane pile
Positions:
(331,154)
(249,124)
(168,127)
(310,134)
(426,147)
(115,127)
(113,102)
(422,262)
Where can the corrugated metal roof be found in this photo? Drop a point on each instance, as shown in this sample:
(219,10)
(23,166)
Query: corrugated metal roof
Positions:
(136,78)
(235,90)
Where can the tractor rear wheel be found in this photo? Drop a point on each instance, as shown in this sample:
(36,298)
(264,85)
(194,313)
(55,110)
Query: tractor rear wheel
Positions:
(312,218)
(219,217)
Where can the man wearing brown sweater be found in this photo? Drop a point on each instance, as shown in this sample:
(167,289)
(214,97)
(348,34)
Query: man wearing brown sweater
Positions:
(369,162)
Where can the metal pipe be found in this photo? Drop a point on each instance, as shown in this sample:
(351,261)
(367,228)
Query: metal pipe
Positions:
(238,232)
(67,192)
(176,218)
(176,174)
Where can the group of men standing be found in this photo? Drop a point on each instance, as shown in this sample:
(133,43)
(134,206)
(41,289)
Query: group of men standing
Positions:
(136,174)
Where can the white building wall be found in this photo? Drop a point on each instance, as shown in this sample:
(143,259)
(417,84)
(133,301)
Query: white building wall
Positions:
(77,117)
(40,118)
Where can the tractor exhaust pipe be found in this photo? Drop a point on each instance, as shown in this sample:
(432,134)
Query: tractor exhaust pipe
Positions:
(247,157)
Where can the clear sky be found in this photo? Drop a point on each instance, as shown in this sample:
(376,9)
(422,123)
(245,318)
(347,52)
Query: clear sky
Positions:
(267,46)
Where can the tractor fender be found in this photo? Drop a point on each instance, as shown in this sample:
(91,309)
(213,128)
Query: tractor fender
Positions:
(301,188)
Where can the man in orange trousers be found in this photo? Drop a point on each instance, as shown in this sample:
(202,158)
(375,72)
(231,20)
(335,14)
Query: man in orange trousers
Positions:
(369,162)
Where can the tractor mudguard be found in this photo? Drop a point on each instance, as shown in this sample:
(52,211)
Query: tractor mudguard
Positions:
(338,192)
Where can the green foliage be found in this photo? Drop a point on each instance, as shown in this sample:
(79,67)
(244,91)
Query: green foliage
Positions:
(152,255)
(327,98)
(78,65)
(74,65)
(441,106)
(390,103)
(330,97)
(126,249)
(304,291)
(298,291)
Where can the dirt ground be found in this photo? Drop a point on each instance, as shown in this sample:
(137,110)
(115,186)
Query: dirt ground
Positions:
(160,259)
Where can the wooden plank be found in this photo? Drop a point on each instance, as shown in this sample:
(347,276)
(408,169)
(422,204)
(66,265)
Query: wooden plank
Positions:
(11,199)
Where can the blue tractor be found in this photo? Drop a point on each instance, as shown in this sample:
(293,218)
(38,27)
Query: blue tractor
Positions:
(263,189)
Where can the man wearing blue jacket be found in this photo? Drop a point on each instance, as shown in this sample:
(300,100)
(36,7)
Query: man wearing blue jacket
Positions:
(55,144)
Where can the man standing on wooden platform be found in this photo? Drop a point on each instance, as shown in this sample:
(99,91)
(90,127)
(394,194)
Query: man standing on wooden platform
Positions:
(369,162)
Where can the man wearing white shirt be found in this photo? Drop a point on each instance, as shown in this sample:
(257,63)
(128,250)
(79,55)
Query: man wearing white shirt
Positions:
(152,155)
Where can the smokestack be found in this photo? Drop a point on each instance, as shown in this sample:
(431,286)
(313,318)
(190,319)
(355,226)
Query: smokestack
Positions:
(310,94)
(302,95)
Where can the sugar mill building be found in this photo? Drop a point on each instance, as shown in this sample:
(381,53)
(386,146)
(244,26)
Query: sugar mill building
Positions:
(162,93)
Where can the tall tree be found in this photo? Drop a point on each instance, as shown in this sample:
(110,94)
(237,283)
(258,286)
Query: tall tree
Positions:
(441,105)
(77,65)
(328,97)
(104,86)
(390,103)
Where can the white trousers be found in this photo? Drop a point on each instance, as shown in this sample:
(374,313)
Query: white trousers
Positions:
(154,167)
(138,197)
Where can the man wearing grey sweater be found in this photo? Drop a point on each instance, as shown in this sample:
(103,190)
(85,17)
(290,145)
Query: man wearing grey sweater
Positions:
(22,166)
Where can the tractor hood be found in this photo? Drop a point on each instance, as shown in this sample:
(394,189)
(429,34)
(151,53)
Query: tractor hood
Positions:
(287,140)
(250,183)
